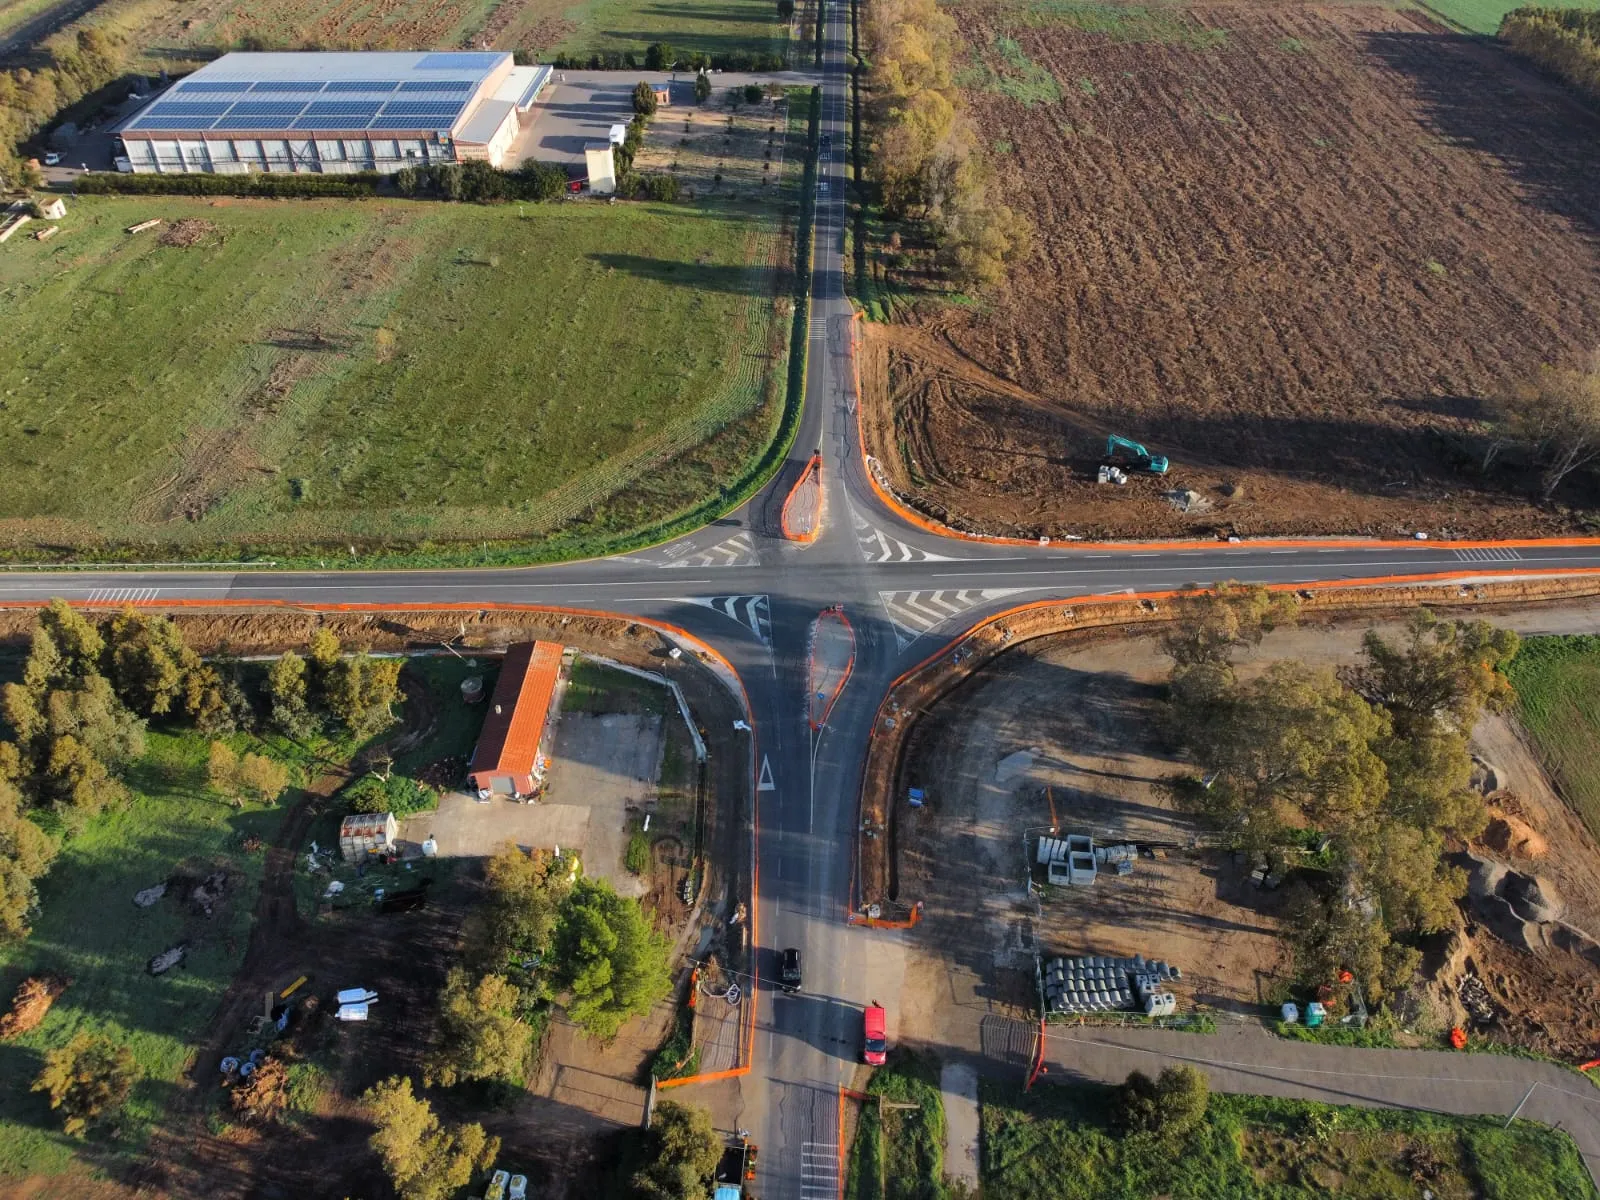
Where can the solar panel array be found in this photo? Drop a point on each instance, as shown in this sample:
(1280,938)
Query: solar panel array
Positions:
(283,104)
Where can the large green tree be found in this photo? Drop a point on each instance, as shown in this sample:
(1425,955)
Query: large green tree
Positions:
(26,852)
(518,915)
(1210,624)
(609,958)
(1168,1106)
(424,1159)
(1441,672)
(288,697)
(682,1150)
(86,1079)
(480,1034)
(1294,746)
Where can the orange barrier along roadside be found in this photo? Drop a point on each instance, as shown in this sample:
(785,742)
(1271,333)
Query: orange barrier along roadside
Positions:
(928,525)
(695,643)
(838,612)
(810,477)
(883,715)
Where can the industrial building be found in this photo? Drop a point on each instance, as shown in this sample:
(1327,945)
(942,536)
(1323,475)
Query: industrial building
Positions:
(335,113)
(509,758)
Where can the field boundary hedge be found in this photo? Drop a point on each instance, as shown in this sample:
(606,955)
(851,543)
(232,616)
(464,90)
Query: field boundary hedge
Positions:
(1563,41)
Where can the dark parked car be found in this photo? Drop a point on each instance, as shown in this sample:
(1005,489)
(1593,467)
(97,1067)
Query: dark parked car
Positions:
(789,971)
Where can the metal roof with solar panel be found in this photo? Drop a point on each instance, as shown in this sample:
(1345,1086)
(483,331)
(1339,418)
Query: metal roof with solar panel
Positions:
(341,91)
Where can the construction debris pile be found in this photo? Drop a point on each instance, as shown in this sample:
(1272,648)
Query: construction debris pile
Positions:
(1090,984)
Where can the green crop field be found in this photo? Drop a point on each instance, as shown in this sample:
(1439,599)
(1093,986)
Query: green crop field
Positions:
(314,374)
(1054,1144)
(1483,16)
(89,930)
(1558,698)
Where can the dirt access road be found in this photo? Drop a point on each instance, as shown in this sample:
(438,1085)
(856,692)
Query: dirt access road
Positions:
(1289,247)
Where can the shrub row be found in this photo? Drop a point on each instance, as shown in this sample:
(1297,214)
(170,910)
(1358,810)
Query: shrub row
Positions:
(101,183)
(1565,41)
(615,61)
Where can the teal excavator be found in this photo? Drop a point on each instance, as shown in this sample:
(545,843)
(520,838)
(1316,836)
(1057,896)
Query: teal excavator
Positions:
(1120,449)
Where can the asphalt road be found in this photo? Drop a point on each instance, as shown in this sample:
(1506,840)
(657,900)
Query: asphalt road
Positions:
(754,596)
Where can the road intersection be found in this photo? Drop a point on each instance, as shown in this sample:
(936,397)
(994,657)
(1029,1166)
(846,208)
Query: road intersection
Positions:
(753,595)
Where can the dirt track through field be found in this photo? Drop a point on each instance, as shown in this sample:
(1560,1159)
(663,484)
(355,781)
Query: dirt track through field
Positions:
(1295,261)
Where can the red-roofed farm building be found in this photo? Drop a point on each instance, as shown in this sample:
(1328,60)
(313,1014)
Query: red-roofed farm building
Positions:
(509,759)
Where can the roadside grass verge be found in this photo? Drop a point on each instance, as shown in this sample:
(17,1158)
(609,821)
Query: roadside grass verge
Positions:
(1054,1143)
(899,1155)
(90,930)
(418,384)
(1558,700)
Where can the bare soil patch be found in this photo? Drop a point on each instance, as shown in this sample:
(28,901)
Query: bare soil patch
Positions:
(1294,256)
(1064,730)
(718,149)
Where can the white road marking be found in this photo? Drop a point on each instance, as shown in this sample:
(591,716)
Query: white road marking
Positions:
(913,614)
(766,783)
(737,551)
(753,611)
(879,547)
(1489,554)
(123,595)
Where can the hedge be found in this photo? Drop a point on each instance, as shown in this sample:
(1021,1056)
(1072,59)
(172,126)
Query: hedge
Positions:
(255,184)
(1564,41)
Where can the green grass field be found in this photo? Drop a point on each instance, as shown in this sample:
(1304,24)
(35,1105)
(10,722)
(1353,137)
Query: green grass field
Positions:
(314,373)
(1558,698)
(90,930)
(900,1157)
(1053,1144)
(1483,16)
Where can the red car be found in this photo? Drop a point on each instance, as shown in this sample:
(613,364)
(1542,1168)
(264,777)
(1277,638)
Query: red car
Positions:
(875,1045)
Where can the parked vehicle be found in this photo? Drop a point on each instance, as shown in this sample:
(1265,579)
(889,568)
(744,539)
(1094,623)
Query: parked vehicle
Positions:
(519,1188)
(789,972)
(51,159)
(497,1186)
(875,1043)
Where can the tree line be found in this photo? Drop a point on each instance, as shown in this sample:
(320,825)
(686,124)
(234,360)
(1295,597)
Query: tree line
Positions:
(542,934)
(1346,783)
(924,152)
(1564,41)
(73,66)
(661,56)
(91,686)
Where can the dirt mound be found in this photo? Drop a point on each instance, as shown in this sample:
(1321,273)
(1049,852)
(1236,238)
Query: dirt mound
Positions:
(30,1004)
(191,231)
(1512,904)
(1508,834)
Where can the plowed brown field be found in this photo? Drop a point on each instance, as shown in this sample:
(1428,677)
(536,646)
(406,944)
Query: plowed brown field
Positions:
(1294,256)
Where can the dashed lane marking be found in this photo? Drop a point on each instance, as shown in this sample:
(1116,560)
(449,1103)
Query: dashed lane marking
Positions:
(754,612)
(914,613)
(737,551)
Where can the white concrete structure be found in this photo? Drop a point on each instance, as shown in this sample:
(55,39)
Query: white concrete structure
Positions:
(334,113)
(602,163)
